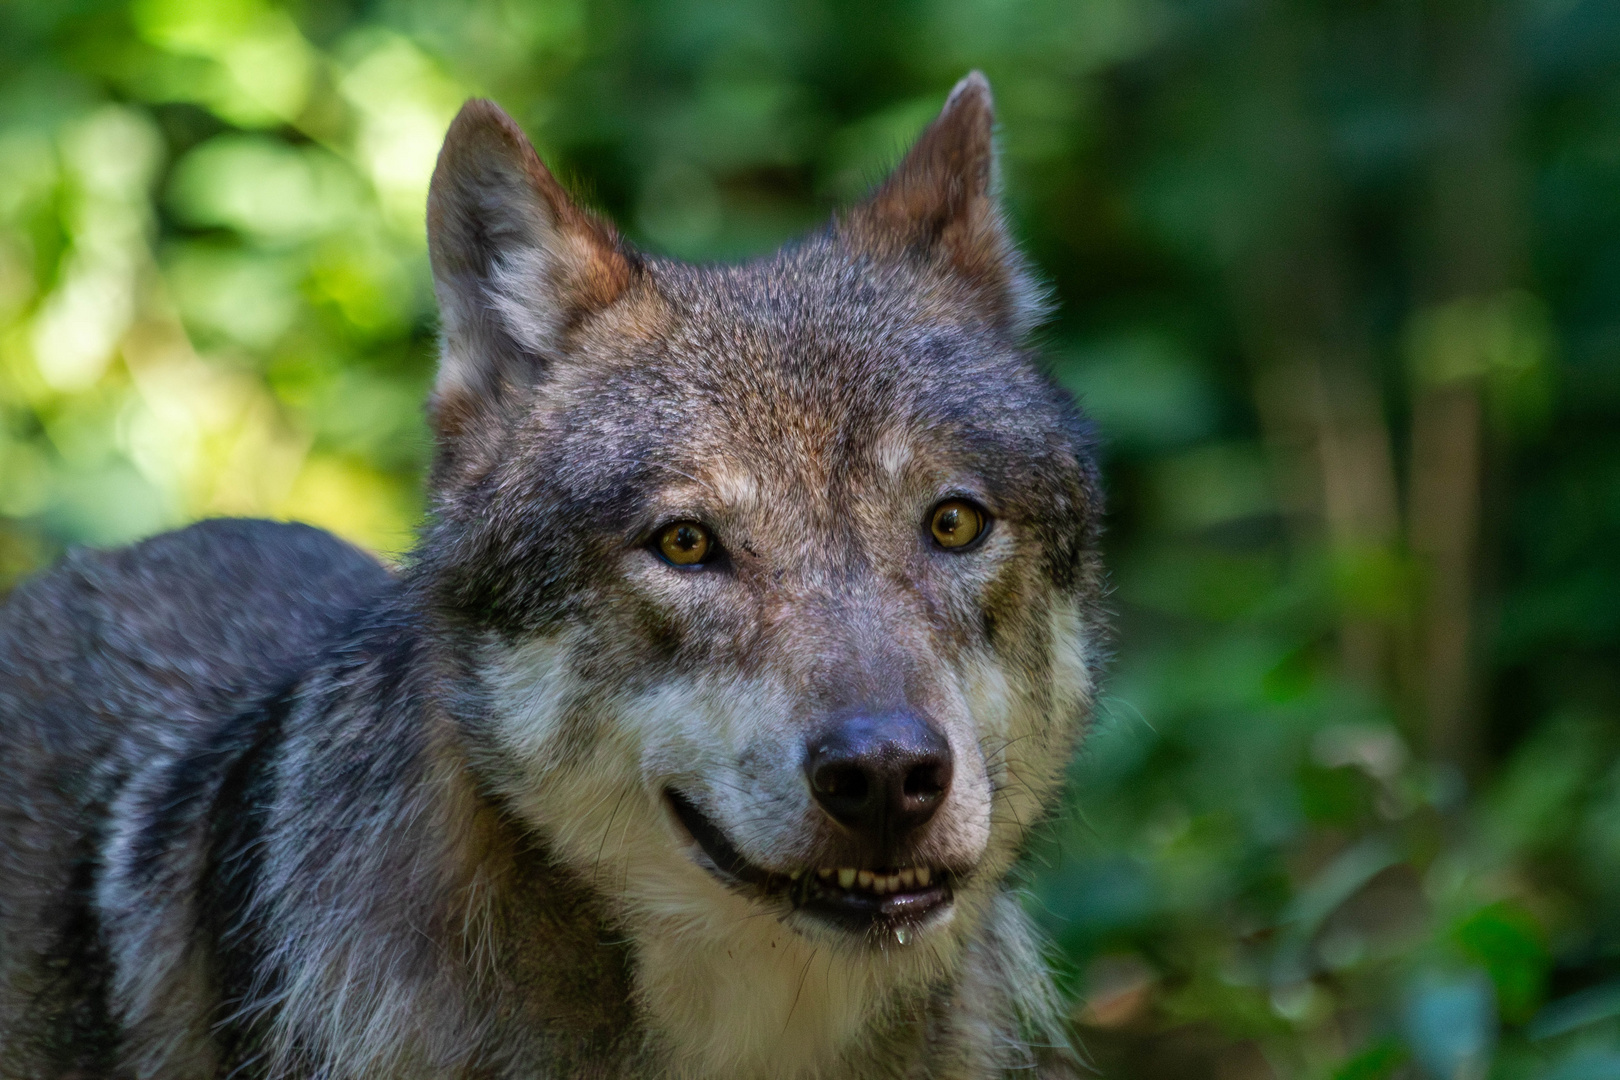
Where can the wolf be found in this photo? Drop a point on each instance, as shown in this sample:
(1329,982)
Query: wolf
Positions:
(757,617)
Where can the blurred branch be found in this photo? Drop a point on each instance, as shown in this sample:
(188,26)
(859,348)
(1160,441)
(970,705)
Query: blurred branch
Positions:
(1473,253)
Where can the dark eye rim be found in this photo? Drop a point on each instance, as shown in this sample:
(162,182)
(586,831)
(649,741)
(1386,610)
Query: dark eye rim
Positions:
(715,553)
(985,516)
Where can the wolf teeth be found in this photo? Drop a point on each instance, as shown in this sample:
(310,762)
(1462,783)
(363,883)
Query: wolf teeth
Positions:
(848,877)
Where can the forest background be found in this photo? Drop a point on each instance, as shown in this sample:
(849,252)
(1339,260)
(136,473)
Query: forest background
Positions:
(1339,281)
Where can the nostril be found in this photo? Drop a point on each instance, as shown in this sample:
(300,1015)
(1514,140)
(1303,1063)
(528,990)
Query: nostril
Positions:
(845,782)
(925,782)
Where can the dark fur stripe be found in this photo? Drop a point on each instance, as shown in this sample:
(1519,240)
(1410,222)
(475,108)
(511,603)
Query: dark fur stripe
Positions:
(232,875)
(81,1037)
(226,782)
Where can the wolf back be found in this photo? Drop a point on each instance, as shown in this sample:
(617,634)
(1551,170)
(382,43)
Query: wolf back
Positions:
(755,624)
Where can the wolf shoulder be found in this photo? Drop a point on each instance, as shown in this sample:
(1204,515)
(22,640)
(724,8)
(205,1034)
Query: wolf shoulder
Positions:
(187,622)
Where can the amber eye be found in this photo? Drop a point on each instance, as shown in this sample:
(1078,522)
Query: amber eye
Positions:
(685,543)
(956,523)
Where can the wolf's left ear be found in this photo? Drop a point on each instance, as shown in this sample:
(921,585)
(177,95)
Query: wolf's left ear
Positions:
(940,204)
(516,265)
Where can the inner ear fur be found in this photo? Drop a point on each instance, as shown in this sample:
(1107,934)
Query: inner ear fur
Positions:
(940,204)
(516,263)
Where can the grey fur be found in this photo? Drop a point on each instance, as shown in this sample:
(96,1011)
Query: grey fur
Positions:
(273,812)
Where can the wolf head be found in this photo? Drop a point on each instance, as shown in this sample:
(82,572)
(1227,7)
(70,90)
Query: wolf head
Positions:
(780,578)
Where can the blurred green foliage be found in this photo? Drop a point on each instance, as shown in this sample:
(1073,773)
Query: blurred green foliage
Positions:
(1339,281)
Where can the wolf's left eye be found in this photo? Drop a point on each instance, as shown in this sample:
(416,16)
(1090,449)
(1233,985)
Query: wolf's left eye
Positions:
(956,523)
(685,543)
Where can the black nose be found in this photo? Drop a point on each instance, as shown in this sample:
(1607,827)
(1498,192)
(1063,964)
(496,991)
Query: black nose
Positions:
(881,777)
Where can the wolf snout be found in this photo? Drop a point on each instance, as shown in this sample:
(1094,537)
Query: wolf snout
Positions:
(880,777)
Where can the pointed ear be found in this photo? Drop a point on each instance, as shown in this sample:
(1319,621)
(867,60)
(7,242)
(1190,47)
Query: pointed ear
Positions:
(940,205)
(516,266)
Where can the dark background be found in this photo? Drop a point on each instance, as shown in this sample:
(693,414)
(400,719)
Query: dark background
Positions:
(1339,280)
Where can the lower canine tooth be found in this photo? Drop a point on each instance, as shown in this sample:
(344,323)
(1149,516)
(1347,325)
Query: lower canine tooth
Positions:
(846,877)
(865,878)
(908,877)
(924,875)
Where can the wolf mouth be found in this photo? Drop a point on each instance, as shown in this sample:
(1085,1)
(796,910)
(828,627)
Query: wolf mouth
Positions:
(854,899)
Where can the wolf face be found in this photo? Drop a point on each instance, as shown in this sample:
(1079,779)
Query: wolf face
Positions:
(772,588)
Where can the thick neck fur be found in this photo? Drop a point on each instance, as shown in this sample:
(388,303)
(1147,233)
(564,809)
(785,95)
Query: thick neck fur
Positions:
(440,926)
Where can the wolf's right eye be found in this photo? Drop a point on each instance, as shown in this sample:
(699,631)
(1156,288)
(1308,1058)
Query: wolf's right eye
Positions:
(957,523)
(685,543)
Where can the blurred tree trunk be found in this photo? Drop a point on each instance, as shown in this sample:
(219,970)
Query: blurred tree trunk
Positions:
(1312,351)
(1472,255)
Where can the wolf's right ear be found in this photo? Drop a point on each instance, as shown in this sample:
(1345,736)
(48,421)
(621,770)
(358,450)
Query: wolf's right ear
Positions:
(516,265)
